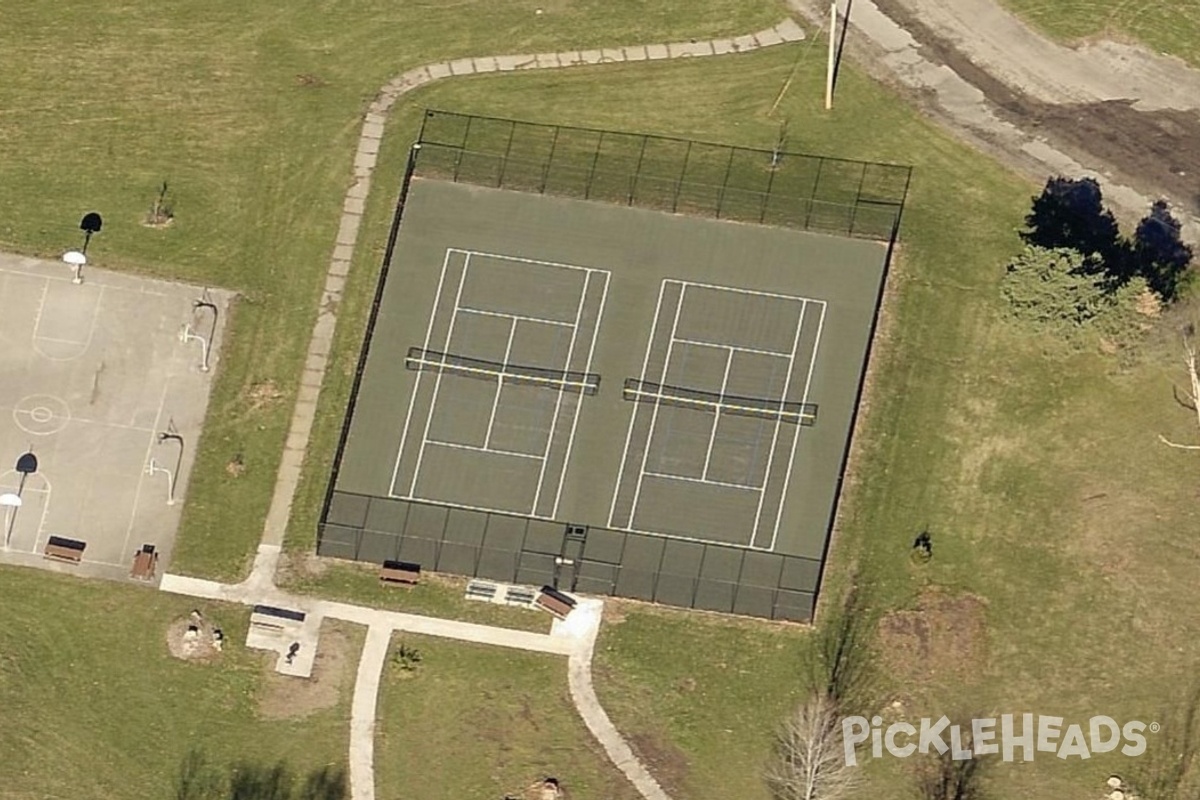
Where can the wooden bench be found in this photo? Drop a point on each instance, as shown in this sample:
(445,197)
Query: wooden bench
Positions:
(405,572)
(64,549)
(145,563)
(554,601)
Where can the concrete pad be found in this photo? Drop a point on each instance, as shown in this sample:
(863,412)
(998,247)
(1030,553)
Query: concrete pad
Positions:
(485,64)
(744,43)
(722,47)
(90,375)
(547,60)
(592,56)
(657,51)
(437,71)
(462,66)
(634,53)
(790,31)
(507,63)
(612,54)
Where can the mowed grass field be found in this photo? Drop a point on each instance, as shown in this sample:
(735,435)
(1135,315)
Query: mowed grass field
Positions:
(1168,26)
(249,113)
(92,704)
(513,727)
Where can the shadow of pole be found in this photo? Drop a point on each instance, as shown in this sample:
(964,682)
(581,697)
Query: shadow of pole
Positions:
(841,42)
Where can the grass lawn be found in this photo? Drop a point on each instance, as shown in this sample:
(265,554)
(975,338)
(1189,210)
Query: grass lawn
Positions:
(93,704)
(479,721)
(1169,26)
(250,114)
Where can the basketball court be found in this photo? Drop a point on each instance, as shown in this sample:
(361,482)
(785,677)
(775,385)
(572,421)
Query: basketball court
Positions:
(100,381)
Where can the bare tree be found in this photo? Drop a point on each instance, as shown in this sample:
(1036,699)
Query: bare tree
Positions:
(942,777)
(809,762)
(1189,350)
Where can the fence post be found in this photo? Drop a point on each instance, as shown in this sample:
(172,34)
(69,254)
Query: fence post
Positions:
(512,129)
(549,161)
(679,183)
(637,170)
(812,197)
(725,182)
(762,212)
(587,190)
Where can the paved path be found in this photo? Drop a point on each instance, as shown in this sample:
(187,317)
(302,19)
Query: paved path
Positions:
(1022,61)
(259,587)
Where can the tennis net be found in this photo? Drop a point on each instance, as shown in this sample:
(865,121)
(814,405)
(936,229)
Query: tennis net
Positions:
(419,358)
(797,413)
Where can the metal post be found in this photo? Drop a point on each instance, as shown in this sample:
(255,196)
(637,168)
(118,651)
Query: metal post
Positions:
(682,173)
(637,170)
(587,190)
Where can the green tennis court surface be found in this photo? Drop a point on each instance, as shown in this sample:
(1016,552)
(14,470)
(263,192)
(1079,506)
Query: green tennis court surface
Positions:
(610,399)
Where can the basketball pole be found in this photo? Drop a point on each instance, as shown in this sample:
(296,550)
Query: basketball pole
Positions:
(829,67)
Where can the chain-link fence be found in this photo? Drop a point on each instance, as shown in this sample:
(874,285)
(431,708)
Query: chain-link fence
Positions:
(515,549)
(827,195)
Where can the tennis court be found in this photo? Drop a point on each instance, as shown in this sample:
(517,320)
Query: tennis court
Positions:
(606,396)
(494,407)
(713,435)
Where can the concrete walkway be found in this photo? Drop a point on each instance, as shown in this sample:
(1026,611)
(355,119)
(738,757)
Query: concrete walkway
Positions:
(362,711)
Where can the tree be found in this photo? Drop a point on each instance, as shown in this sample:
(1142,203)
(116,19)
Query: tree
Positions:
(1070,213)
(1160,254)
(1054,287)
(809,762)
(941,777)
(1191,402)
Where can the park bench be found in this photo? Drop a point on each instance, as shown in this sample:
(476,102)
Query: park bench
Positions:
(145,563)
(64,549)
(554,601)
(275,619)
(405,572)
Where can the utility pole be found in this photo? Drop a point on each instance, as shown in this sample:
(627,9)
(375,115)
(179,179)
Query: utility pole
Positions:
(833,15)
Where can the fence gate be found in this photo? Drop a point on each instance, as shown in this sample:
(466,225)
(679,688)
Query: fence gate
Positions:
(566,566)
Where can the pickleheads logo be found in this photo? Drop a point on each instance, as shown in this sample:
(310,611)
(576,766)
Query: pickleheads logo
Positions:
(1004,736)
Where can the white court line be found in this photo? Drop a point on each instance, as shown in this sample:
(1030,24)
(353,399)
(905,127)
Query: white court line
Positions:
(537,495)
(612,509)
(521,259)
(787,382)
(412,401)
(47,490)
(787,476)
(712,433)
(478,449)
(705,481)
(737,347)
(482,312)
(85,345)
(82,421)
(739,290)
(512,334)
(137,492)
(437,383)
(654,416)
(575,419)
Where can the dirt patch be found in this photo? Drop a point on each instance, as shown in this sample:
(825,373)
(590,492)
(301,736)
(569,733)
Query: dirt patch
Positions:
(666,762)
(263,395)
(284,697)
(195,638)
(1153,152)
(945,637)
